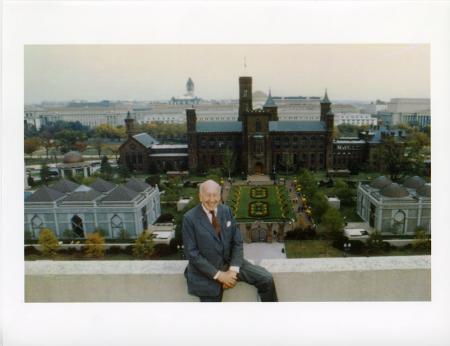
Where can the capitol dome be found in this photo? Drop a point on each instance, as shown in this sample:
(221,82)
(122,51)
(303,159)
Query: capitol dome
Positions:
(73,157)
(380,182)
(394,190)
(414,182)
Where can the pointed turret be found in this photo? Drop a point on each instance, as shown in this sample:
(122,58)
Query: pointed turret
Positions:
(325,99)
(271,107)
(325,106)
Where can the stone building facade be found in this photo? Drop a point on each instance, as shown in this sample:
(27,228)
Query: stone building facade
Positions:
(395,209)
(261,142)
(72,211)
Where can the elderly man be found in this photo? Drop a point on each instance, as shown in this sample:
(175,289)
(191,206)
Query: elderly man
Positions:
(213,246)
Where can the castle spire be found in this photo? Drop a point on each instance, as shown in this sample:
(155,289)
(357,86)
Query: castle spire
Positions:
(270,102)
(325,98)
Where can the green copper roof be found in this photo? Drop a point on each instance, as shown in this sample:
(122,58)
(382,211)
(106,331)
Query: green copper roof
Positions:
(270,102)
(219,126)
(325,98)
(296,126)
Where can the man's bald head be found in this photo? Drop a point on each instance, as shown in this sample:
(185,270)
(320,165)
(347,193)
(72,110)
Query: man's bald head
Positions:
(209,193)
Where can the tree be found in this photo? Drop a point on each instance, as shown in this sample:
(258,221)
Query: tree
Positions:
(31,145)
(153,180)
(287,160)
(344,192)
(214,174)
(45,173)
(307,183)
(47,142)
(124,172)
(389,157)
(68,139)
(143,246)
(105,168)
(229,162)
(332,223)
(48,242)
(319,205)
(422,240)
(95,245)
(98,145)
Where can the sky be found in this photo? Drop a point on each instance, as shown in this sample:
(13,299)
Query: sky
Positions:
(158,72)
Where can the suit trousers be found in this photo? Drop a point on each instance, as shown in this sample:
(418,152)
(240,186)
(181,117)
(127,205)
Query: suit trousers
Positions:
(256,276)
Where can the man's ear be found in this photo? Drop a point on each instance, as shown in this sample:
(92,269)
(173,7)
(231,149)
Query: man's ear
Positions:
(200,197)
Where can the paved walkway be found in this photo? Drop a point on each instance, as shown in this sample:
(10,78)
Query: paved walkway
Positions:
(260,251)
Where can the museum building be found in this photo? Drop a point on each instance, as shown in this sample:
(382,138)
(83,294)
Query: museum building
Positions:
(395,209)
(71,210)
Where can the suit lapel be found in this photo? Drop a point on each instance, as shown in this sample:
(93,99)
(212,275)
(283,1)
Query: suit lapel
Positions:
(205,223)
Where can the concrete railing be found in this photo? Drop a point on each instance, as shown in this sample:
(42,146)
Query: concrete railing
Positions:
(406,278)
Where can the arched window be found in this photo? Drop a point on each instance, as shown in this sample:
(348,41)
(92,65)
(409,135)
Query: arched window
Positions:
(116,225)
(77,226)
(36,225)
(258,125)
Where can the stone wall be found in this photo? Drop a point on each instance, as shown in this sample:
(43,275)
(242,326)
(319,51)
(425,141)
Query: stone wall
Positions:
(406,278)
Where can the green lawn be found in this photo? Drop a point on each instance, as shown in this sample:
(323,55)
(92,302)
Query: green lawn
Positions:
(240,200)
(311,249)
(323,248)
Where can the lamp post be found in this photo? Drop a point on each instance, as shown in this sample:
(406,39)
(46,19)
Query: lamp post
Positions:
(347,246)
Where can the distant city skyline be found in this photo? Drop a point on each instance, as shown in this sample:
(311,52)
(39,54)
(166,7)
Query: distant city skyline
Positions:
(58,73)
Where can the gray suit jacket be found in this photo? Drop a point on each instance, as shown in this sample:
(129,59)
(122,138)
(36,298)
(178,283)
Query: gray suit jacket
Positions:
(206,252)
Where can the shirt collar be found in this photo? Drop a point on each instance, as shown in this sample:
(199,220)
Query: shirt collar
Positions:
(208,212)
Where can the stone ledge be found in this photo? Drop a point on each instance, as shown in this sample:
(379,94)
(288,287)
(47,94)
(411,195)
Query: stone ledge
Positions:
(406,278)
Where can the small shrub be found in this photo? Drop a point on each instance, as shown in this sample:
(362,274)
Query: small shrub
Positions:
(94,245)
(28,236)
(48,242)
(143,246)
(357,247)
(101,231)
(422,241)
(167,217)
(114,250)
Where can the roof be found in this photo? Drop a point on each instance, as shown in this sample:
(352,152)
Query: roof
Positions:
(102,185)
(270,102)
(295,126)
(45,194)
(121,194)
(219,126)
(82,188)
(145,139)
(64,186)
(394,190)
(380,182)
(80,196)
(73,157)
(414,182)
(137,185)
(424,190)
(169,146)
(169,155)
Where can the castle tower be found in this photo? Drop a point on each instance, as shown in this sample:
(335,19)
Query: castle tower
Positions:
(129,125)
(271,107)
(325,107)
(245,96)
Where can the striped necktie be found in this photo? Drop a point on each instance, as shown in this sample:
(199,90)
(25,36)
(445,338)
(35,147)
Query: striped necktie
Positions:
(215,223)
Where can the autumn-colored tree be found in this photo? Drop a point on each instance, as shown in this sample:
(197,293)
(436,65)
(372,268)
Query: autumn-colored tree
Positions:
(48,242)
(95,245)
(143,246)
(31,145)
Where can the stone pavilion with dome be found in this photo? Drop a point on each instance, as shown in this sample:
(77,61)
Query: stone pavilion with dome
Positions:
(395,209)
(74,165)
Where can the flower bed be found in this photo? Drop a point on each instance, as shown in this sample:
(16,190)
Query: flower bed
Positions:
(258,192)
(258,209)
